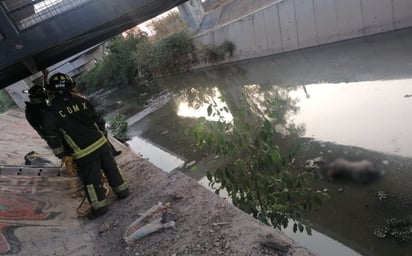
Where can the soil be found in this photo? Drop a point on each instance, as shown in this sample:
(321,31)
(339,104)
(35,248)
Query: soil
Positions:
(205,224)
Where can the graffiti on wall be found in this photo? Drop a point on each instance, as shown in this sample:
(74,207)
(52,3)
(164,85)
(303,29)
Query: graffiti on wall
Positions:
(17,206)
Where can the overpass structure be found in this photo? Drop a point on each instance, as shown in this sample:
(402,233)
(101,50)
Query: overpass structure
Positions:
(36,34)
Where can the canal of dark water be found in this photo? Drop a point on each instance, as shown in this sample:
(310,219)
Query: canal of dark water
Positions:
(352,100)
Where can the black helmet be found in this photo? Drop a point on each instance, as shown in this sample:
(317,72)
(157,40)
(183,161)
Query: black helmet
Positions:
(37,92)
(60,82)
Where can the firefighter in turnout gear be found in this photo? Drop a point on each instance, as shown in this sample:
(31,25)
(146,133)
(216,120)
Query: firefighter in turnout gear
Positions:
(35,111)
(73,120)
(36,108)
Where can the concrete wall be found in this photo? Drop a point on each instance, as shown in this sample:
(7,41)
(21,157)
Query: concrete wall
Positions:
(16,93)
(192,13)
(209,4)
(293,24)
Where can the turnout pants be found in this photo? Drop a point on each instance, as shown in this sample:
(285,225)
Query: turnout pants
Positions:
(90,173)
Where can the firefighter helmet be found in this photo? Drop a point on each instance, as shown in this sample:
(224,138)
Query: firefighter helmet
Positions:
(60,82)
(37,91)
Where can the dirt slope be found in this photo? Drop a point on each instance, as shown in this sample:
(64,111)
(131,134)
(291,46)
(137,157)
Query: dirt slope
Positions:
(205,223)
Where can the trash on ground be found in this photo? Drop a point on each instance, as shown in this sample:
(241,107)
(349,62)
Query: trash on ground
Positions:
(154,219)
(275,246)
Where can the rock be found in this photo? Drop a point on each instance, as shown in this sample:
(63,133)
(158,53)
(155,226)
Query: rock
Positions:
(104,227)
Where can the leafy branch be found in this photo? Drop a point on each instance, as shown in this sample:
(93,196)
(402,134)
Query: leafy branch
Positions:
(259,179)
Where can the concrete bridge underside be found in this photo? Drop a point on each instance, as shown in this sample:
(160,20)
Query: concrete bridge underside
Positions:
(35,34)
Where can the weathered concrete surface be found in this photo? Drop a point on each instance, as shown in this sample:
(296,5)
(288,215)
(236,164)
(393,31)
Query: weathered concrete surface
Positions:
(18,138)
(38,216)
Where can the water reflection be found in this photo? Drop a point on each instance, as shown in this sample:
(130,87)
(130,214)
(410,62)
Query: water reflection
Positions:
(199,108)
(321,244)
(318,243)
(353,93)
(372,115)
(160,158)
(257,174)
(334,110)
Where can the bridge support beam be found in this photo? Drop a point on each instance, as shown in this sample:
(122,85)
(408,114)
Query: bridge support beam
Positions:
(192,13)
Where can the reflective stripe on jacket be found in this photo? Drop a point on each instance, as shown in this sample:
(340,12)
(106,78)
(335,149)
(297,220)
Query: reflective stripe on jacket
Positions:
(82,152)
(73,120)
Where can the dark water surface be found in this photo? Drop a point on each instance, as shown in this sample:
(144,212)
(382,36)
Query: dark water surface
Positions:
(353,101)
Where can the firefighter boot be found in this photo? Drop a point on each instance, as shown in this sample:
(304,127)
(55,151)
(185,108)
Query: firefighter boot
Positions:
(96,213)
(122,194)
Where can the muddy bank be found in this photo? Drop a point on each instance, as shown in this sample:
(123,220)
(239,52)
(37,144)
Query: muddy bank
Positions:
(205,223)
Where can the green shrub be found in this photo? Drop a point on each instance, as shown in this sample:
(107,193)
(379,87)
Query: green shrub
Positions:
(259,178)
(133,59)
(117,67)
(227,47)
(212,54)
(169,55)
(118,127)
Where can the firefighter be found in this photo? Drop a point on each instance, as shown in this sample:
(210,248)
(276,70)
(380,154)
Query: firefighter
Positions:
(37,104)
(73,120)
(76,93)
(36,108)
